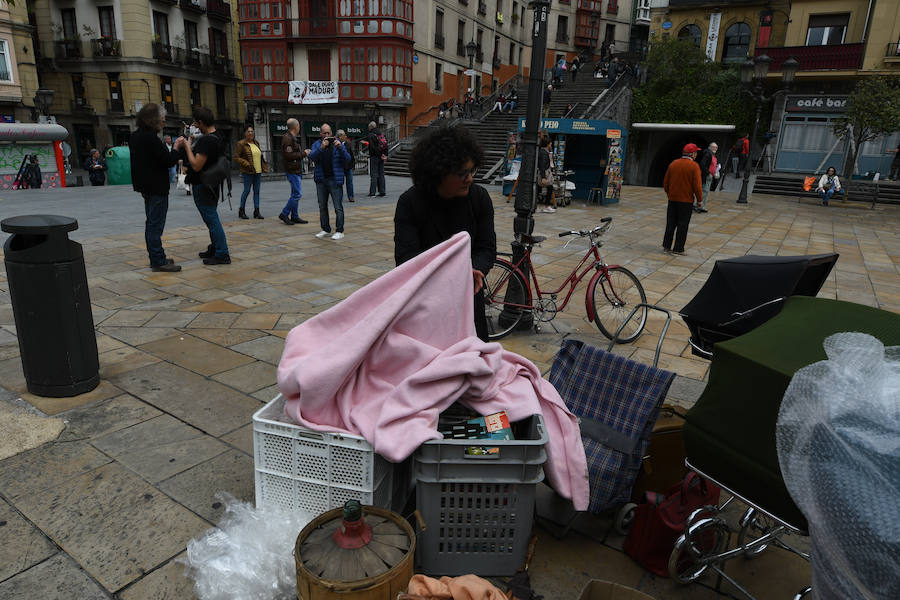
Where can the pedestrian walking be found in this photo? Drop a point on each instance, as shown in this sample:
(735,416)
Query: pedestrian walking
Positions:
(548,96)
(293,170)
(377,145)
(203,164)
(173,173)
(895,164)
(95,165)
(151,161)
(330,157)
(574,68)
(683,187)
(829,185)
(252,163)
(707,163)
(545,175)
(612,71)
(740,153)
(350,165)
(443,201)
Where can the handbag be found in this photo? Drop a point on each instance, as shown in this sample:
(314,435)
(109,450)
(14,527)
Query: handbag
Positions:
(662,518)
(808,183)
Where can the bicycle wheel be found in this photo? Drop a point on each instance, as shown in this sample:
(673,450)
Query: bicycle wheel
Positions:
(613,297)
(505,299)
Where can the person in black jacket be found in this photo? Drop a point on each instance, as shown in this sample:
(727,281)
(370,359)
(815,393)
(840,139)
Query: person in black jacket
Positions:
(444,201)
(150,163)
(349,165)
(705,160)
(95,165)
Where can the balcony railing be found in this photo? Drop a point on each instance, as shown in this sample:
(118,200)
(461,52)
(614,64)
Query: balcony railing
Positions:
(64,49)
(192,58)
(562,38)
(219,9)
(482,7)
(893,50)
(163,52)
(460,48)
(192,5)
(106,47)
(222,65)
(438,41)
(839,57)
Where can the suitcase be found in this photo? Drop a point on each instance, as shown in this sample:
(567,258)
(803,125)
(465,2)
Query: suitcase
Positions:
(663,465)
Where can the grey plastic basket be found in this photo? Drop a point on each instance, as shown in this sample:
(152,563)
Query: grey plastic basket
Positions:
(480,528)
(529,448)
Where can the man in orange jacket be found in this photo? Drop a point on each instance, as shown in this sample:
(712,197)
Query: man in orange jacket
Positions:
(683,186)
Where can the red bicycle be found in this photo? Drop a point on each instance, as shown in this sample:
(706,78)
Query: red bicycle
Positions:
(615,298)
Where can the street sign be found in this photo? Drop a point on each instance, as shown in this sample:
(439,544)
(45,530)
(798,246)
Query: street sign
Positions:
(469,72)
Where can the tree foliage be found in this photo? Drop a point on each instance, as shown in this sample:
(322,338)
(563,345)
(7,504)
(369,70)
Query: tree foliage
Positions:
(872,110)
(684,86)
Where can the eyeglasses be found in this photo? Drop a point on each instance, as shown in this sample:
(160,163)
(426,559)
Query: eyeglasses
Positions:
(466,173)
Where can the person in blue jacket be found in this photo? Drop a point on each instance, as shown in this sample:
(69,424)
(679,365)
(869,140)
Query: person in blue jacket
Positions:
(330,157)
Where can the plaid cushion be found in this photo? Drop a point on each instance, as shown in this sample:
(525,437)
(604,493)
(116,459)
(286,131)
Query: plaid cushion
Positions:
(620,393)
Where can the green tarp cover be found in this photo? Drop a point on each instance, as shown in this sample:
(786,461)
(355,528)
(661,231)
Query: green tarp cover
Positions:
(730,432)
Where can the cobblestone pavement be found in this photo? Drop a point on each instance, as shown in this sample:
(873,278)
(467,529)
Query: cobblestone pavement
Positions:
(103,510)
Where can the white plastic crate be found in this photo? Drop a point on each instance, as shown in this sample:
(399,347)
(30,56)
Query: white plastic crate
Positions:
(314,471)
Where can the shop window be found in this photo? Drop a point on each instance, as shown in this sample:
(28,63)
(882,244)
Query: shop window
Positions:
(737,43)
(827,30)
(692,33)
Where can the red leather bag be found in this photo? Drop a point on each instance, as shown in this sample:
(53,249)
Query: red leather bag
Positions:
(662,518)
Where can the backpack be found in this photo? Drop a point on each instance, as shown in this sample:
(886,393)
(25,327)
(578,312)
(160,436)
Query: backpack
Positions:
(738,146)
(381,145)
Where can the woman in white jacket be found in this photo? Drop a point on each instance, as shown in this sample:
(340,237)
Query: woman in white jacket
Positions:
(829,184)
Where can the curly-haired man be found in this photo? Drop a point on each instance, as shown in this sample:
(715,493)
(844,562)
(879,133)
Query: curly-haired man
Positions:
(443,201)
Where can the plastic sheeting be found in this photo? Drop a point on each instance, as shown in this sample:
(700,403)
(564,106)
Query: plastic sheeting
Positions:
(838,441)
(249,556)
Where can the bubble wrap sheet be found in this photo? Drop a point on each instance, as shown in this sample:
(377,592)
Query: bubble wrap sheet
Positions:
(838,441)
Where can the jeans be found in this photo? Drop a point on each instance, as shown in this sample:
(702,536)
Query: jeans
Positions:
(895,170)
(706,187)
(826,195)
(210,215)
(251,180)
(293,203)
(348,179)
(172,175)
(155,208)
(376,175)
(323,190)
(678,217)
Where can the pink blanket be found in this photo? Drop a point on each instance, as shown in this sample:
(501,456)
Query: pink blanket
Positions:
(386,361)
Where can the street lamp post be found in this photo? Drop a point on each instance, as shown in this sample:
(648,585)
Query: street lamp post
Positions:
(471,49)
(754,71)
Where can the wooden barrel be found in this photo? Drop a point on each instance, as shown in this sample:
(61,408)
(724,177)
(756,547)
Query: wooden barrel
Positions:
(384,586)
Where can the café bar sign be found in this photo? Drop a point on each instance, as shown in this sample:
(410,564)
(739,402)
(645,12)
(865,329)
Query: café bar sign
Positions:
(822,103)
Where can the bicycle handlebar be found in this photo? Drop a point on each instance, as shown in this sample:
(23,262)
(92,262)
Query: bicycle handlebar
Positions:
(600,228)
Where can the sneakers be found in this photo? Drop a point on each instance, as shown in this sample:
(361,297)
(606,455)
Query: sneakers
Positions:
(548,209)
(217,260)
(285,219)
(167,268)
(338,236)
(702,210)
(323,234)
(299,220)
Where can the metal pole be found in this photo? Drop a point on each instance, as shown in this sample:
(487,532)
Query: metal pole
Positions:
(523,223)
(742,197)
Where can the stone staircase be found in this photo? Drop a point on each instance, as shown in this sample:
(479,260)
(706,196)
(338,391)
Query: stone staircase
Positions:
(492,130)
(860,190)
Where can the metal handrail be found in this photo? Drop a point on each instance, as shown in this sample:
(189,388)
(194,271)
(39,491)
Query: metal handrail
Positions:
(488,101)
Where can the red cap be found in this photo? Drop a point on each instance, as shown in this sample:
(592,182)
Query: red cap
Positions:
(691,148)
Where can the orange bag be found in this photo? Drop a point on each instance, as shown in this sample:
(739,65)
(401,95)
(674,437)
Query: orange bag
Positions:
(808,183)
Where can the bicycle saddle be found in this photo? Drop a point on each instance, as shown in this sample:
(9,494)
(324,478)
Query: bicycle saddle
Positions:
(533,239)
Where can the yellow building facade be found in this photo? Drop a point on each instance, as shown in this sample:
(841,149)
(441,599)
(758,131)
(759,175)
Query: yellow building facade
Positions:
(105,60)
(18,70)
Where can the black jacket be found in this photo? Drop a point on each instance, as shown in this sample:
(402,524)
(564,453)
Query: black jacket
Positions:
(422,221)
(704,160)
(150,162)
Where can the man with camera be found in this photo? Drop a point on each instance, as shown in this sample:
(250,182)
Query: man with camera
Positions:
(330,157)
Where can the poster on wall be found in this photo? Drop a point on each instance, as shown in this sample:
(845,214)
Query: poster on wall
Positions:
(614,170)
(312,92)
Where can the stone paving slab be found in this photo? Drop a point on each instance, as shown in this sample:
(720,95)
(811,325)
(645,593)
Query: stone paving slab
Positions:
(22,545)
(58,578)
(105,416)
(165,583)
(195,354)
(26,475)
(112,523)
(196,488)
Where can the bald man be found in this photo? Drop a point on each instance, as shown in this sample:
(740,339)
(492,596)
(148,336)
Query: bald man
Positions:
(293,169)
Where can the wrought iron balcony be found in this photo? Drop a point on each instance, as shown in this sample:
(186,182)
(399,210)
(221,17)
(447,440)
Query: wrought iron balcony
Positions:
(67,49)
(192,5)
(163,52)
(893,50)
(439,41)
(219,10)
(838,57)
(221,64)
(482,7)
(562,38)
(106,47)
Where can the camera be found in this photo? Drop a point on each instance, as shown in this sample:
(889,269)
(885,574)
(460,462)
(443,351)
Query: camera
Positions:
(330,139)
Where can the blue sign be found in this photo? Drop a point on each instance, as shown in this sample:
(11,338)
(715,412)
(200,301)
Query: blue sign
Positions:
(667,25)
(577,126)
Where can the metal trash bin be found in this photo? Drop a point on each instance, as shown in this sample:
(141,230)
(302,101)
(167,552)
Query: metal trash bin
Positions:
(51,305)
